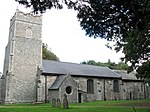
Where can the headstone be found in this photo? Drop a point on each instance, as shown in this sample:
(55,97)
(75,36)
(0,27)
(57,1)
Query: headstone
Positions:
(65,102)
(58,102)
(53,102)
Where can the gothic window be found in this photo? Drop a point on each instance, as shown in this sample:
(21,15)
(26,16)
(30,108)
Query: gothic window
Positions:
(116,86)
(28,32)
(90,86)
(141,87)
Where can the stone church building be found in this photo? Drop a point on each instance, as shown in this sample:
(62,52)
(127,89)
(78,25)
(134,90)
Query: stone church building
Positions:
(28,78)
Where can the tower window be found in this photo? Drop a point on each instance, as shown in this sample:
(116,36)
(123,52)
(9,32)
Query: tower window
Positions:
(90,86)
(28,32)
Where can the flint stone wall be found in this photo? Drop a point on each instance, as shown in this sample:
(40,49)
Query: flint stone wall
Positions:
(23,57)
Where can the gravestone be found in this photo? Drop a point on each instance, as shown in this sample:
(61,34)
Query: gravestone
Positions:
(65,102)
(53,102)
(58,102)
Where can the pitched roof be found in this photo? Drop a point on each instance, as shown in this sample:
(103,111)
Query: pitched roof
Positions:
(56,67)
(125,75)
(58,81)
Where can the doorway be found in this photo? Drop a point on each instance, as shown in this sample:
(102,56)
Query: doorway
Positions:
(80,97)
(130,95)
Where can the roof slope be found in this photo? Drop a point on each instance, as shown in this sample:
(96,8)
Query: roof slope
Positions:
(56,67)
(58,81)
(125,75)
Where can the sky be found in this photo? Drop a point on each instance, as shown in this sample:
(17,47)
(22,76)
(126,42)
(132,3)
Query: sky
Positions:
(62,33)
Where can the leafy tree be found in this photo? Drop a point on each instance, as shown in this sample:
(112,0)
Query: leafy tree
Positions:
(127,22)
(144,72)
(47,54)
(120,66)
(91,62)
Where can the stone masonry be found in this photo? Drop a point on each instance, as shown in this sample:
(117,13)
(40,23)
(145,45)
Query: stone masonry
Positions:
(103,90)
(23,56)
(28,78)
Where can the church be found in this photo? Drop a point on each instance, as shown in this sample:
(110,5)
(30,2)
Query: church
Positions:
(27,78)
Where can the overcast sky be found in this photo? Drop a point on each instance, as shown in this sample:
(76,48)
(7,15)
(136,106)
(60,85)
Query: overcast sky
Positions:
(63,34)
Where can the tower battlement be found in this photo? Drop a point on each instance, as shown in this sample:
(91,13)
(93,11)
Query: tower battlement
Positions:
(26,17)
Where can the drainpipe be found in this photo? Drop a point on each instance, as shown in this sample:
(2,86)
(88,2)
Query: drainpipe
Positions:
(104,91)
(37,78)
(36,94)
(145,95)
(45,88)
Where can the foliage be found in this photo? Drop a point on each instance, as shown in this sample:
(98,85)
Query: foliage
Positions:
(127,22)
(112,65)
(47,54)
(144,72)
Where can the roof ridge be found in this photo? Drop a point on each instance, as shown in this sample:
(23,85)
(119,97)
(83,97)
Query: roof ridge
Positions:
(74,63)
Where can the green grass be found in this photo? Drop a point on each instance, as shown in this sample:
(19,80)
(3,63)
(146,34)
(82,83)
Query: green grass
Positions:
(98,106)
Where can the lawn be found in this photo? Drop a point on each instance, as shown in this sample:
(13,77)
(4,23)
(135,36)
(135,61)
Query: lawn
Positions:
(99,106)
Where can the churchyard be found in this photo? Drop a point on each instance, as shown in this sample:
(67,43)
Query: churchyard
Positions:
(98,106)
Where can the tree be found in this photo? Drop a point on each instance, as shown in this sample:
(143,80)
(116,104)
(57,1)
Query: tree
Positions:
(127,22)
(144,72)
(47,54)
(91,62)
(120,66)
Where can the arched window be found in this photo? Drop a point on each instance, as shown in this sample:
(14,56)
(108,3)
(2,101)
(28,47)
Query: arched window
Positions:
(28,32)
(90,86)
(141,87)
(116,86)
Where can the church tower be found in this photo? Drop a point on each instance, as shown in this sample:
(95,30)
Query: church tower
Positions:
(22,58)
